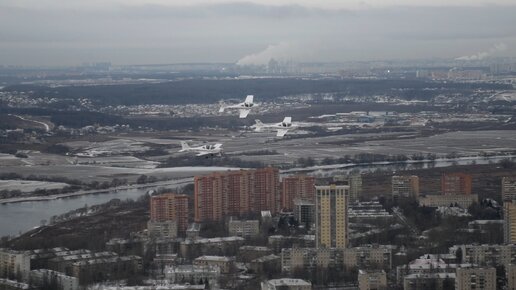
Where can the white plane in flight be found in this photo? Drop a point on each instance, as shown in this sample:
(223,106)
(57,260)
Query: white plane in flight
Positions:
(281,128)
(244,108)
(204,150)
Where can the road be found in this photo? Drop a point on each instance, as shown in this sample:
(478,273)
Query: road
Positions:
(47,127)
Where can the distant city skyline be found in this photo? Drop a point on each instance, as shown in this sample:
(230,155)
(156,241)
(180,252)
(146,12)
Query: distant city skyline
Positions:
(52,32)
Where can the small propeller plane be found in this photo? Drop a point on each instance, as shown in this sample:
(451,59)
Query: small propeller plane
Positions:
(244,108)
(281,127)
(204,150)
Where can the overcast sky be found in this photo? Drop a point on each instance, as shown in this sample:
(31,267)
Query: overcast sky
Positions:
(69,32)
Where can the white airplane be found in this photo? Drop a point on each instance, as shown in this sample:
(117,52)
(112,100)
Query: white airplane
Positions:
(281,127)
(244,107)
(204,150)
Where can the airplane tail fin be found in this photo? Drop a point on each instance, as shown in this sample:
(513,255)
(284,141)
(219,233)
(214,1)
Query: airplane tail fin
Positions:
(258,126)
(184,146)
(222,106)
(249,99)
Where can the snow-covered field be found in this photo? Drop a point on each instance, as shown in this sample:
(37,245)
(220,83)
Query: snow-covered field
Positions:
(111,147)
(27,186)
(88,173)
(117,161)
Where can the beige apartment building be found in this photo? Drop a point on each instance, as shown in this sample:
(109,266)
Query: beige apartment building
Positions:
(509,188)
(405,186)
(372,280)
(475,278)
(509,224)
(331,216)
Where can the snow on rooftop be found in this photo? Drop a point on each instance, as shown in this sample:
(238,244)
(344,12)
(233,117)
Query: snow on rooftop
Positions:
(288,282)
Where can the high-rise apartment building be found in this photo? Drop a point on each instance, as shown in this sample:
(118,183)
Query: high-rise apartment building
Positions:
(266,192)
(456,184)
(304,211)
(405,186)
(235,193)
(509,225)
(298,187)
(509,188)
(355,187)
(170,207)
(331,215)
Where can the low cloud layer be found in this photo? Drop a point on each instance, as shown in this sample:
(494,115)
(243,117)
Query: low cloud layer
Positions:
(129,32)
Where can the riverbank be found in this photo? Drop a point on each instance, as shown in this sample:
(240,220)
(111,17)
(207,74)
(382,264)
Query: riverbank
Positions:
(168,183)
(90,231)
(439,162)
(362,167)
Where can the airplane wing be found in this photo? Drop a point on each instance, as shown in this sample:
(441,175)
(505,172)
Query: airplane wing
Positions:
(249,99)
(202,153)
(244,113)
(281,132)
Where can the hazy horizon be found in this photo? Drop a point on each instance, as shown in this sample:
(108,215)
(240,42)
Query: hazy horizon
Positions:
(59,33)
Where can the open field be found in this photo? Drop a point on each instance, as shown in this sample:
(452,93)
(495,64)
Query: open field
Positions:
(26,186)
(88,173)
(463,142)
(289,150)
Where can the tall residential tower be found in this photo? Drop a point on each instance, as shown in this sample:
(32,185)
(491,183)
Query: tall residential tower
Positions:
(331,215)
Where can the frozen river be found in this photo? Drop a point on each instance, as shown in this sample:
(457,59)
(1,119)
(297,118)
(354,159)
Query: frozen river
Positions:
(20,217)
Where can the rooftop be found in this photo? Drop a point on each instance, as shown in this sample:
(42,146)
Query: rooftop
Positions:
(214,240)
(288,282)
(215,258)
(14,284)
(431,276)
(192,269)
(265,259)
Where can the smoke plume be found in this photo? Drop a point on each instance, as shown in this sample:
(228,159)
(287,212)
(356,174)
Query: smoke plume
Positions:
(282,50)
(481,55)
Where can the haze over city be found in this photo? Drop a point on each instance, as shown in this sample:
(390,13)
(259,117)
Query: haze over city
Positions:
(250,32)
(268,145)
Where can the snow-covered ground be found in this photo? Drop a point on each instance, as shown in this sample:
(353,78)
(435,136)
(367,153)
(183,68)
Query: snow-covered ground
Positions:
(27,186)
(88,173)
(117,161)
(111,147)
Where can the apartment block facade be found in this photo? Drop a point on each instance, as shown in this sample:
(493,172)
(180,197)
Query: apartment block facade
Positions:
(331,216)
(235,193)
